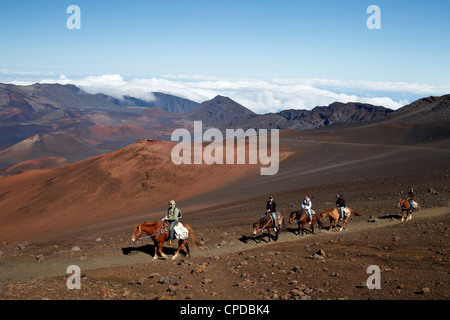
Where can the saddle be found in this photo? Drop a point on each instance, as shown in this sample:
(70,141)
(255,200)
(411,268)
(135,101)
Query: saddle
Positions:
(180,231)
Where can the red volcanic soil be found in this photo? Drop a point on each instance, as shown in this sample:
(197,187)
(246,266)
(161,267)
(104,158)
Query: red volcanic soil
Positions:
(50,162)
(84,213)
(135,179)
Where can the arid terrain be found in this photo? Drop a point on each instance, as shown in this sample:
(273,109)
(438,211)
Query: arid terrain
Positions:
(84,213)
(413,256)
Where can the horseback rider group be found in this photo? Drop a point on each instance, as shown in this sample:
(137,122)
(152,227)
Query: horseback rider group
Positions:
(174,213)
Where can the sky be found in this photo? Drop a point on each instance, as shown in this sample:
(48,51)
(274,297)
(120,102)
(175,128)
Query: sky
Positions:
(266,55)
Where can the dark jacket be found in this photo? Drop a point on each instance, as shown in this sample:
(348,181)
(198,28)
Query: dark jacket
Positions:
(411,195)
(340,202)
(272,206)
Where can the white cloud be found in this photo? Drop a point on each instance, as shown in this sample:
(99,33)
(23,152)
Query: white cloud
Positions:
(260,96)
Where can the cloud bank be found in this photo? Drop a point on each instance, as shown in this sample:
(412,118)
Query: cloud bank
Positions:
(260,96)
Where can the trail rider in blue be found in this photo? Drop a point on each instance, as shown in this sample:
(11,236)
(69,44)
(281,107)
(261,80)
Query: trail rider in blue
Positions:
(172,217)
(340,203)
(306,205)
(271,208)
(410,198)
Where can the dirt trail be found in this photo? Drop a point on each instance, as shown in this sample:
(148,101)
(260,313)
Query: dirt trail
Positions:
(96,258)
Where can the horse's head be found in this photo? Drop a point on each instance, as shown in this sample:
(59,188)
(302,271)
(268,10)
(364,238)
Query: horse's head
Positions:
(137,233)
(292,216)
(323,214)
(255,228)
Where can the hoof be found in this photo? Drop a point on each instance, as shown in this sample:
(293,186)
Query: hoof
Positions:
(174,257)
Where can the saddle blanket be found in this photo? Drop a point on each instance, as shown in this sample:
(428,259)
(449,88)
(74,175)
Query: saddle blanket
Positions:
(346,212)
(181,232)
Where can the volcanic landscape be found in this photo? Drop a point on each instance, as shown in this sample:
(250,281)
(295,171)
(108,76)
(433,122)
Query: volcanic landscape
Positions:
(83,212)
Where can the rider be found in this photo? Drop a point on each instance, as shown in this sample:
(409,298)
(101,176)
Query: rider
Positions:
(410,198)
(340,203)
(172,217)
(271,208)
(306,205)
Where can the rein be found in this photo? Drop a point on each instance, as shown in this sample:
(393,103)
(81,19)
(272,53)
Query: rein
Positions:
(157,233)
(265,226)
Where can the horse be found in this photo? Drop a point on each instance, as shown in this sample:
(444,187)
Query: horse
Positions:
(405,205)
(335,214)
(158,233)
(266,222)
(301,217)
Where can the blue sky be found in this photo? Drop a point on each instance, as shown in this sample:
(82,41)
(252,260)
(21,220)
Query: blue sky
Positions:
(246,39)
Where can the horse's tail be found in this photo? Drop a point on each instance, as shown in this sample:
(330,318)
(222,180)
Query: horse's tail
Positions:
(192,236)
(354,212)
(283,226)
(319,220)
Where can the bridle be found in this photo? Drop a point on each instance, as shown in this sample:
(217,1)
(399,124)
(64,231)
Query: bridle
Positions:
(265,226)
(160,230)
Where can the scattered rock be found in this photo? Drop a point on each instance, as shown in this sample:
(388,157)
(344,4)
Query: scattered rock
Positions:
(40,257)
(22,246)
(76,249)
(372,219)
(199,269)
(164,280)
(432,191)
(154,275)
(98,240)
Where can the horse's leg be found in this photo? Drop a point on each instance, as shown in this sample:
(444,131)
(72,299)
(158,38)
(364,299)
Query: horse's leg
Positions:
(302,227)
(312,226)
(156,249)
(180,244)
(161,244)
(403,213)
(186,244)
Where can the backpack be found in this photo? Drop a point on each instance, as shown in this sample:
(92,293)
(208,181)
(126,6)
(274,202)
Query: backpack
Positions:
(180,214)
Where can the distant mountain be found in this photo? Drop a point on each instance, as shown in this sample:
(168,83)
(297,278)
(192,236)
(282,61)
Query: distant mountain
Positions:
(336,112)
(167,102)
(42,102)
(428,119)
(424,111)
(55,108)
(220,112)
(43,146)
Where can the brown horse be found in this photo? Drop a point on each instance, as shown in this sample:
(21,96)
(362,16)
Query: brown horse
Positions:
(302,217)
(266,222)
(158,233)
(405,205)
(335,214)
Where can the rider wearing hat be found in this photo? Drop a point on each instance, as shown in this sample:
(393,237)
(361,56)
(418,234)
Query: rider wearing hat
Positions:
(306,205)
(340,203)
(411,196)
(271,208)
